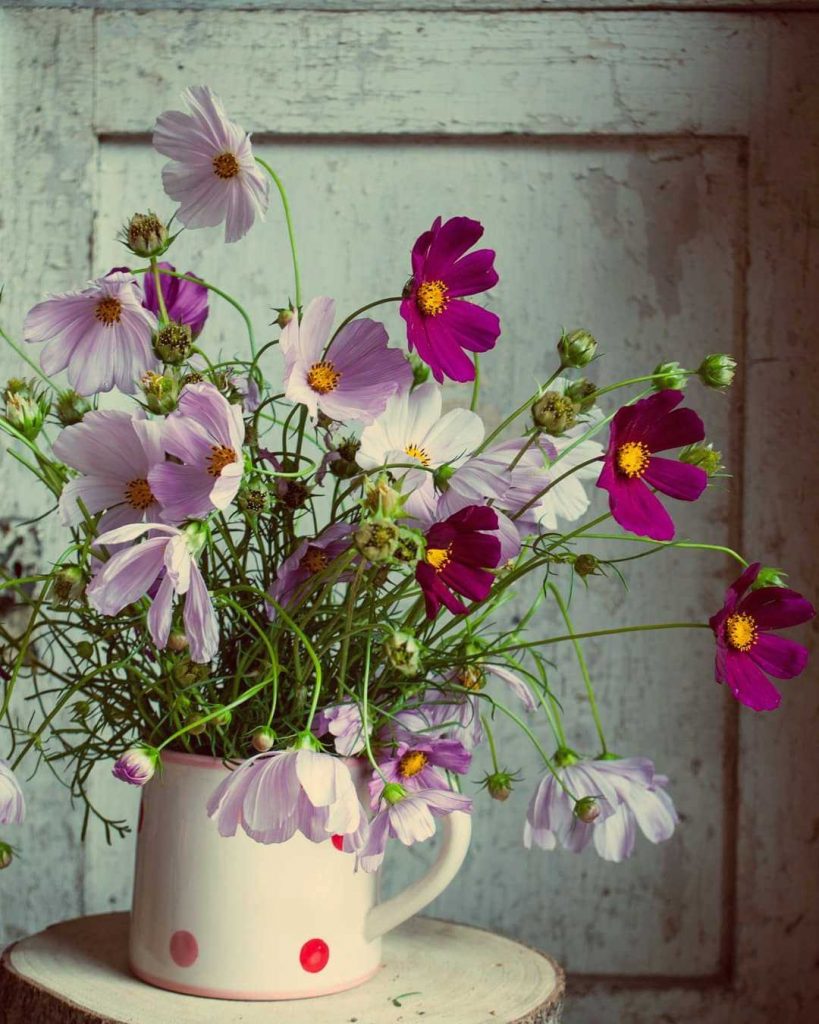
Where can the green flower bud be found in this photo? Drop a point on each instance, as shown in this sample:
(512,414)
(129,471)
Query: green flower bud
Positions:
(69,584)
(672,377)
(703,455)
(284,315)
(770,577)
(71,407)
(263,739)
(253,499)
(345,467)
(223,718)
(80,710)
(442,476)
(420,370)
(173,343)
(194,725)
(26,407)
(394,793)
(554,413)
(587,809)
(6,855)
(382,499)
(146,235)
(177,641)
(565,756)
(717,371)
(499,784)
(188,673)
(161,392)
(404,653)
(586,565)
(582,393)
(577,348)
(376,539)
(85,649)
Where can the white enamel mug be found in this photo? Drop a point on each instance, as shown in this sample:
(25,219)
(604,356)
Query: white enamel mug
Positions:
(230,918)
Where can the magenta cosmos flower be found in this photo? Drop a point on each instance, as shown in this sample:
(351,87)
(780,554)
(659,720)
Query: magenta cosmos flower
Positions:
(136,766)
(205,432)
(440,325)
(309,558)
(186,302)
(168,556)
(12,802)
(631,467)
(746,649)
(273,796)
(356,376)
(460,552)
(213,175)
(115,452)
(102,335)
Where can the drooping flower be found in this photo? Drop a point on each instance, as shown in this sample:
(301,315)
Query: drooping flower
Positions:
(440,325)
(606,799)
(186,302)
(747,651)
(168,556)
(272,796)
(12,801)
(354,378)
(102,335)
(136,766)
(409,817)
(310,557)
(460,552)
(115,453)
(213,174)
(205,433)
(343,723)
(631,467)
(414,762)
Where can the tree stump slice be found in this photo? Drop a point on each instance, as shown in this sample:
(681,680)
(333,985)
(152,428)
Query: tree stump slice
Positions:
(77,973)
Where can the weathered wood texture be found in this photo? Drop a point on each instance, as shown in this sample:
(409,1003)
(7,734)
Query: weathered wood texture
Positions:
(77,973)
(650,175)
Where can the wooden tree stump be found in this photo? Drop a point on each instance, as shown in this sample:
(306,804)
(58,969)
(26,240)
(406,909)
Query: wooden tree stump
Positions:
(77,973)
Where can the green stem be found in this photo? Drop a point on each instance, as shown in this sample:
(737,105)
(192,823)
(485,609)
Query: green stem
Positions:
(26,359)
(659,544)
(354,314)
(476,385)
(513,416)
(605,632)
(158,283)
(490,739)
(291,234)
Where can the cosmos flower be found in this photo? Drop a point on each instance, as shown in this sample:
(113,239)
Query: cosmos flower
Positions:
(631,467)
(746,648)
(136,766)
(12,802)
(205,432)
(440,325)
(186,302)
(354,378)
(458,557)
(414,763)
(102,335)
(212,174)
(168,556)
(115,452)
(343,723)
(309,558)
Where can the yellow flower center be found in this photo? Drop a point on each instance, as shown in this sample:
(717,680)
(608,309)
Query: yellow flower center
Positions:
(323,377)
(432,297)
(221,456)
(417,453)
(741,631)
(439,558)
(138,494)
(411,763)
(225,166)
(633,458)
(108,311)
(472,677)
(314,560)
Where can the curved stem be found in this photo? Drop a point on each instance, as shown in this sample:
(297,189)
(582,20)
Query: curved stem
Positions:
(26,359)
(291,234)
(605,632)
(158,283)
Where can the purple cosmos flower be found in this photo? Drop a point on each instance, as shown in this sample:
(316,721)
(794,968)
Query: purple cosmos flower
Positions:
(746,649)
(205,432)
(343,723)
(626,792)
(102,334)
(409,817)
(115,452)
(458,558)
(354,378)
(631,467)
(186,302)
(168,556)
(413,764)
(136,766)
(452,716)
(248,390)
(273,796)
(12,801)
(309,558)
(440,325)
(213,175)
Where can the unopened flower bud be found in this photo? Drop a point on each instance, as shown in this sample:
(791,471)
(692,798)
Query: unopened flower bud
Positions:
(586,565)
(577,348)
(161,392)
(376,539)
(499,785)
(69,584)
(393,793)
(404,653)
(703,455)
(195,726)
(26,407)
(669,377)
(146,235)
(263,739)
(420,370)
(177,641)
(344,466)
(382,499)
(587,809)
(285,315)
(173,343)
(769,577)
(71,407)
(80,710)
(85,649)
(6,855)
(554,413)
(717,371)
(223,718)
(583,394)
(137,765)
(188,673)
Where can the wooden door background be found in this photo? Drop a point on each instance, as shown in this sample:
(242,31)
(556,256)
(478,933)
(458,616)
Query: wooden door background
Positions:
(651,172)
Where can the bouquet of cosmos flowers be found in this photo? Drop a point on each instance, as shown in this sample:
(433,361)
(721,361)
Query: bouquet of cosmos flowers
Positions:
(287,574)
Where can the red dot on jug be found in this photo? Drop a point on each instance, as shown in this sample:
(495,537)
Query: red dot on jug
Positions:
(314,955)
(338,842)
(184,949)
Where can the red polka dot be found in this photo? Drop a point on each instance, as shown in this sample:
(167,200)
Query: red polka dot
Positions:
(184,949)
(314,955)
(338,842)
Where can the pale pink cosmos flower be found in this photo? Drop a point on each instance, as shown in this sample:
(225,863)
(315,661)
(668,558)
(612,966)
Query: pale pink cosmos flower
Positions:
(343,723)
(213,175)
(272,796)
(136,766)
(102,335)
(12,802)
